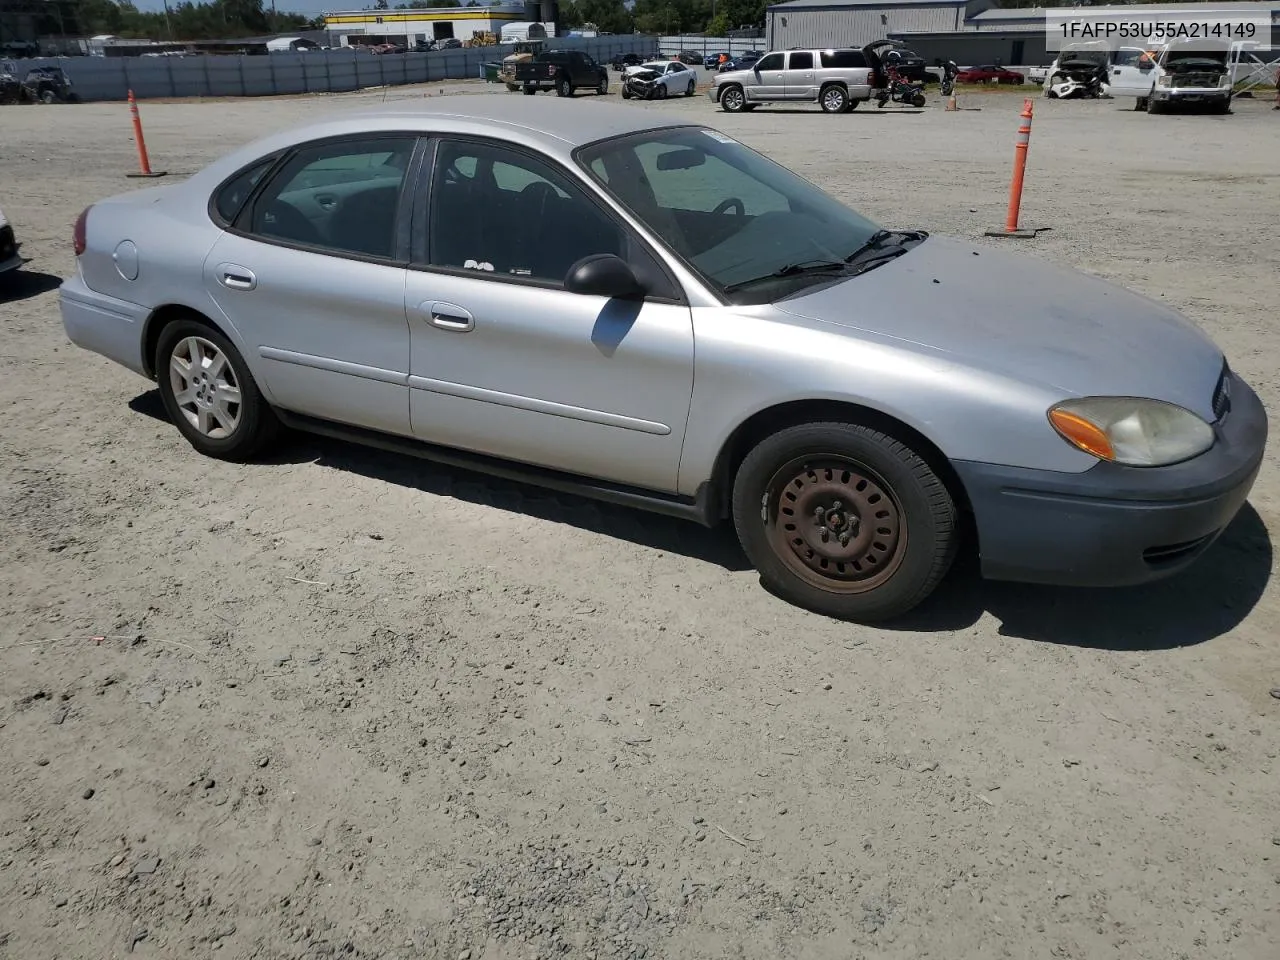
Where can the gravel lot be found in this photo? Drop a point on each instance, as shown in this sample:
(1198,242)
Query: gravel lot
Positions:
(346,704)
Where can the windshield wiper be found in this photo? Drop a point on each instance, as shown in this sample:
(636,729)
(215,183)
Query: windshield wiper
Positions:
(878,245)
(791,270)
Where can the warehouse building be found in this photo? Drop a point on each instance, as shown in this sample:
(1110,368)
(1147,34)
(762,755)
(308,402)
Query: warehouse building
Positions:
(410,27)
(967,31)
(854,23)
(1017,36)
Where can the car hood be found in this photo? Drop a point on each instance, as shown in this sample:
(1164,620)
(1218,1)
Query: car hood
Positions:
(1024,318)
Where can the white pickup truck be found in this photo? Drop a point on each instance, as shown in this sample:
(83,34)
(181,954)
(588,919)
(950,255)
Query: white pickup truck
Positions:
(1184,71)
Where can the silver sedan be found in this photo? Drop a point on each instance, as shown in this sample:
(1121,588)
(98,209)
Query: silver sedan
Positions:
(604,300)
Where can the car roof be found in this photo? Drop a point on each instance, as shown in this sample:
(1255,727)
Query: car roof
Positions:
(552,125)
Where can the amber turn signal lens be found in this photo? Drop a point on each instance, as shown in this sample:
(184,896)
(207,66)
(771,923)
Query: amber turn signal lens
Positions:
(1081,433)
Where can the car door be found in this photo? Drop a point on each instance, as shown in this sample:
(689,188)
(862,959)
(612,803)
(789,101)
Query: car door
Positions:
(676,78)
(311,273)
(1128,78)
(504,361)
(767,80)
(800,82)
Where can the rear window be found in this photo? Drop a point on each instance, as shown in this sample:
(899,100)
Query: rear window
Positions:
(843,59)
(236,190)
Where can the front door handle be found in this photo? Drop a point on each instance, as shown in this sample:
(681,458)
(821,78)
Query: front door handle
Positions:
(448,316)
(236,277)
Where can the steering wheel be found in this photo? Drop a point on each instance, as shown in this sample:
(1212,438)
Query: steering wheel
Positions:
(727,204)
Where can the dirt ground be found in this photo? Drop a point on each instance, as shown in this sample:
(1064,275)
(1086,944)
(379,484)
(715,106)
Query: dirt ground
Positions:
(346,704)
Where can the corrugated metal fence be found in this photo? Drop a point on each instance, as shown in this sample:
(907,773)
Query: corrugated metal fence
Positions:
(275,74)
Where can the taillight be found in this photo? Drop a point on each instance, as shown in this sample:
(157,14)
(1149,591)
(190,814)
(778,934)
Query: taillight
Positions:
(77,235)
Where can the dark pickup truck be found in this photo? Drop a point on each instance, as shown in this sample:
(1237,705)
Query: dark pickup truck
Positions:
(563,71)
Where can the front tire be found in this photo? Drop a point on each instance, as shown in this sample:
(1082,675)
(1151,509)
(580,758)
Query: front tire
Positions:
(732,99)
(918,100)
(844,520)
(209,393)
(692,85)
(530,90)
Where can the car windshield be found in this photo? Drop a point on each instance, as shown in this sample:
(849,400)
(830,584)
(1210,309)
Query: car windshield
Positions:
(752,229)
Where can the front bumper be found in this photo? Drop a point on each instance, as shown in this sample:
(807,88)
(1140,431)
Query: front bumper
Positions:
(10,259)
(1113,525)
(1191,94)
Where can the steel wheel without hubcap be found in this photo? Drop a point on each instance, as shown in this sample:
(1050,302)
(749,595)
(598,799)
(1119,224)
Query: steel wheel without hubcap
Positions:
(205,388)
(834,524)
(843,520)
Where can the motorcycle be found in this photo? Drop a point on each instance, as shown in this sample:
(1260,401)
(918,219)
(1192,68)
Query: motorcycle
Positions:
(899,90)
(949,74)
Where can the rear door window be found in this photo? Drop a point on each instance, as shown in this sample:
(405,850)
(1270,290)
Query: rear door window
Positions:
(843,59)
(801,61)
(340,196)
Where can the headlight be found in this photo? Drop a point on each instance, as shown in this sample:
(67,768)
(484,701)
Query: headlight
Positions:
(1166,80)
(1225,80)
(1132,431)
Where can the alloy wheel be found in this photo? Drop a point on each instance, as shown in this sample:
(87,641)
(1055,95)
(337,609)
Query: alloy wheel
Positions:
(204,387)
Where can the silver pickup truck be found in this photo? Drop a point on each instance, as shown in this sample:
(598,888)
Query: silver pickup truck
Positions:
(838,80)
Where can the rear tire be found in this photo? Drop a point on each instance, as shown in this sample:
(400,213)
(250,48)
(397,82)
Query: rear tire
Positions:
(890,523)
(834,99)
(626,93)
(1140,103)
(602,88)
(692,86)
(530,90)
(200,400)
(918,100)
(564,88)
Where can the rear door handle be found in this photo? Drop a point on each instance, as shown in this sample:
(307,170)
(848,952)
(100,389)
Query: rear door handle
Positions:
(236,277)
(448,316)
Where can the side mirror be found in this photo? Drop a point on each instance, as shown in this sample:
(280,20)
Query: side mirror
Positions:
(604,275)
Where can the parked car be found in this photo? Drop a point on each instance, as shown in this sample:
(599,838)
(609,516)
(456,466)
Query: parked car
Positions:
(449,43)
(1039,74)
(742,61)
(564,71)
(623,60)
(989,73)
(689,57)
(10,258)
(10,86)
(659,79)
(838,80)
(860,397)
(712,60)
(909,64)
(1184,71)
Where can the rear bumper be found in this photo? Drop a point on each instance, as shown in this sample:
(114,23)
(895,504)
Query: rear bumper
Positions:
(1112,525)
(104,325)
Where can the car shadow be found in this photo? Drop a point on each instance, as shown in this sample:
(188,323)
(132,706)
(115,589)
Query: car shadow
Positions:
(23,284)
(1202,602)
(1205,601)
(718,547)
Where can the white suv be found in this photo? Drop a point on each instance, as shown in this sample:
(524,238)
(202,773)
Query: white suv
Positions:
(838,80)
